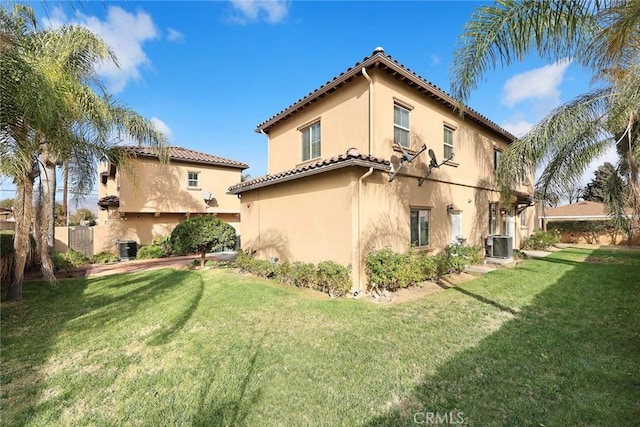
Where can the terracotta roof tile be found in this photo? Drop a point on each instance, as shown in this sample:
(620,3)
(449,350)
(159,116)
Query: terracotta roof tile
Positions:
(187,155)
(351,158)
(579,209)
(380,60)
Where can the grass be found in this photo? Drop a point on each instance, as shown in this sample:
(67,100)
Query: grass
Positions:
(552,342)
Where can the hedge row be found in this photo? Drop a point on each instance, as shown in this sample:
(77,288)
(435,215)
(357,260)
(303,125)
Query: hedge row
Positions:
(541,240)
(328,276)
(389,270)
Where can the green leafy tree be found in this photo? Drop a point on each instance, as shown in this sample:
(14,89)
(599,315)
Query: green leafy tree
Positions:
(595,190)
(604,38)
(82,214)
(202,234)
(6,203)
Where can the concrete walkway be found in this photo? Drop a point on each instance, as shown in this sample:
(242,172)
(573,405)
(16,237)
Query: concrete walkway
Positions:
(536,254)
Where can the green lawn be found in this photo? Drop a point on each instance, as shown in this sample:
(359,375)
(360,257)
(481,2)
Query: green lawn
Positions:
(553,342)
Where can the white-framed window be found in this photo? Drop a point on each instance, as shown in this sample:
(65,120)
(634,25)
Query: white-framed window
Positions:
(420,227)
(311,142)
(401,125)
(496,158)
(448,141)
(456,226)
(493,218)
(192,179)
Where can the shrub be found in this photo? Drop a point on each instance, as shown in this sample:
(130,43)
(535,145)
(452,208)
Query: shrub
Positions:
(333,278)
(65,260)
(303,275)
(461,255)
(103,258)
(151,251)
(390,270)
(541,240)
(6,244)
(329,277)
(202,234)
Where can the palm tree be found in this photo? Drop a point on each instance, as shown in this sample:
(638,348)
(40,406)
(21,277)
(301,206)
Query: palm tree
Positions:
(602,36)
(58,118)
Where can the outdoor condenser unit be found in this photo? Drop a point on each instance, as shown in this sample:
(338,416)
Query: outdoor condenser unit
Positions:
(502,247)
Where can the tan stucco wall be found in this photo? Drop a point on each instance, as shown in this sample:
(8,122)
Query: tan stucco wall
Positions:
(306,220)
(156,187)
(141,227)
(344,124)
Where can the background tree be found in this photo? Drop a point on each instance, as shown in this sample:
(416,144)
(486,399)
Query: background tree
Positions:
(603,37)
(82,214)
(595,190)
(202,234)
(6,203)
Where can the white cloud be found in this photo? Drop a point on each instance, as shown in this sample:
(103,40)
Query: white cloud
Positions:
(174,35)
(540,83)
(272,11)
(125,33)
(517,125)
(435,60)
(162,127)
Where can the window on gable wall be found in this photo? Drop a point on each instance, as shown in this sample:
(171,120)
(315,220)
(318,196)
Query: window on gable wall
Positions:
(192,179)
(496,158)
(311,142)
(448,142)
(420,227)
(401,126)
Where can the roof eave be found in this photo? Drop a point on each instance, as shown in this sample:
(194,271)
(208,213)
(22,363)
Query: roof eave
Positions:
(356,70)
(310,172)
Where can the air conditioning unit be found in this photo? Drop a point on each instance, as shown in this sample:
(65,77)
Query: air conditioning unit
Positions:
(502,247)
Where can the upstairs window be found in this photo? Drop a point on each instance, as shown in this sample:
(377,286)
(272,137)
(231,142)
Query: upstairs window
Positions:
(192,179)
(448,142)
(311,142)
(420,227)
(401,126)
(496,158)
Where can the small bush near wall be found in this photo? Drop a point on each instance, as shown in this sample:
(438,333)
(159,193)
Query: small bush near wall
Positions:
(328,276)
(159,248)
(103,258)
(389,270)
(541,240)
(71,258)
(460,255)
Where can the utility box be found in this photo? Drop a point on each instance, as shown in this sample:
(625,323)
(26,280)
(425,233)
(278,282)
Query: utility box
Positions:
(127,249)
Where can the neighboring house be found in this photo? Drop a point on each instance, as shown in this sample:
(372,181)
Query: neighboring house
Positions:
(149,198)
(327,194)
(579,212)
(7,221)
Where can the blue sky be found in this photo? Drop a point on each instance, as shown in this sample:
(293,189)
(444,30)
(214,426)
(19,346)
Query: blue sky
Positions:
(207,73)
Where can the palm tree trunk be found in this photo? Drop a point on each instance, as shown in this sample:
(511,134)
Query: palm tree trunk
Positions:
(21,242)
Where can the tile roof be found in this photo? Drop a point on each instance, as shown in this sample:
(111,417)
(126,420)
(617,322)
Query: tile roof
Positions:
(187,155)
(576,210)
(351,158)
(380,60)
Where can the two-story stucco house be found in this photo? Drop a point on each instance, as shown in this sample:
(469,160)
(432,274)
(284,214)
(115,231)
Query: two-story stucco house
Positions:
(149,198)
(328,194)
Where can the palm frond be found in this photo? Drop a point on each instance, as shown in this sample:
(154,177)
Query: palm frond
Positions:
(509,30)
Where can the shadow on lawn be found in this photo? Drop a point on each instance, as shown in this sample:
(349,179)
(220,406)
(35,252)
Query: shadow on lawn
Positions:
(212,412)
(29,332)
(568,358)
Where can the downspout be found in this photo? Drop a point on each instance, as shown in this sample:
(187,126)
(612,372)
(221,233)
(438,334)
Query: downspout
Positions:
(366,76)
(359,255)
(268,148)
